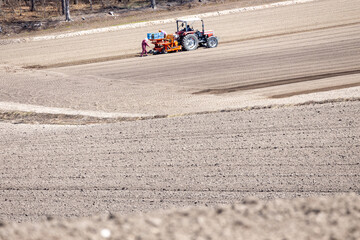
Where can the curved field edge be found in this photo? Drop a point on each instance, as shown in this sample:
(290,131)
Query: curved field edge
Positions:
(23,117)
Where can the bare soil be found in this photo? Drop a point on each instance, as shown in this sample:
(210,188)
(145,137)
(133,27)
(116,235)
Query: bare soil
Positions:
(28,24)
(231,76)
(275,82)
(21,117)
(334,218)
(325,89)
(300,146)
(207,159)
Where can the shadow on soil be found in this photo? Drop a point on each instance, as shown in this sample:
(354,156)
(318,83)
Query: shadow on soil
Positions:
(277,82)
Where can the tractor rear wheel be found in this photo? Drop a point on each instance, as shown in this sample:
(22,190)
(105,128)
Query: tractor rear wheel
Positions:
(190,42)
(212,42)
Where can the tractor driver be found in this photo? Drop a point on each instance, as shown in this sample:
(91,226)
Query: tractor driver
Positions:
(187,28)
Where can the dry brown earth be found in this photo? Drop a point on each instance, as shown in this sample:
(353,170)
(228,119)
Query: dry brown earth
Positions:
(264,56)
(313,46)
(204,159)
(26,25)
(318,218)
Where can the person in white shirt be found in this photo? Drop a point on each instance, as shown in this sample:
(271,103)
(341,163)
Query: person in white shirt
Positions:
(162,31)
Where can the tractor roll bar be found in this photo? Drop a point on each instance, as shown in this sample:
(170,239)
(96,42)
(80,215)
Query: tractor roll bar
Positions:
(190,21)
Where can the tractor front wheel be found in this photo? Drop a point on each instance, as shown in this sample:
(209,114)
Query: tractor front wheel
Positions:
(212,42)
(190,42)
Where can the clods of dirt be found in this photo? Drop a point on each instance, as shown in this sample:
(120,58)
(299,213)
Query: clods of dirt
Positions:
(334,217)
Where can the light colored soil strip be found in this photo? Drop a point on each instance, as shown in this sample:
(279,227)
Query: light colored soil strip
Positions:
(325,89)
(290,32)
(22,117)
(9,106)
(151,23)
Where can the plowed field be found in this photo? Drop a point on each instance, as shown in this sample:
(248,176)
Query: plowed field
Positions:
(291,72)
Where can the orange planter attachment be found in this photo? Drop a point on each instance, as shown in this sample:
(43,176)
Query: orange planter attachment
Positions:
(165,45)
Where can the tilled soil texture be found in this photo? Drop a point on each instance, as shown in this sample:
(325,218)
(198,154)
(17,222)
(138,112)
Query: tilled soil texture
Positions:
(314,218)
(35,23)
(271,53)
(208,159)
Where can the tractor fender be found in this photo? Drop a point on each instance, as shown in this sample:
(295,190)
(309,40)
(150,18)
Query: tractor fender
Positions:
(209,33)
